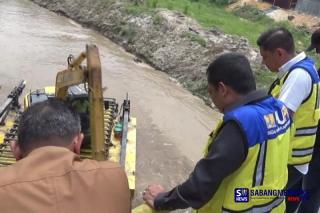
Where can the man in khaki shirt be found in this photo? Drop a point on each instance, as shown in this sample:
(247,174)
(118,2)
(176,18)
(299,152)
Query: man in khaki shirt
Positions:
(49,175)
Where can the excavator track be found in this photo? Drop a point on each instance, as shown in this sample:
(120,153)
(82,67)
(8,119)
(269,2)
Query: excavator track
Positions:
(8,132)
(108,126)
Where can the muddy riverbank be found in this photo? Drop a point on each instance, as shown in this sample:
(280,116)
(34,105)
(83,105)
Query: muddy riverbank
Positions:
(169,41)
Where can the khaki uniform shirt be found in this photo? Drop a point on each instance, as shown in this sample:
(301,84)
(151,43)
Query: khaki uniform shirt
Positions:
(54,180)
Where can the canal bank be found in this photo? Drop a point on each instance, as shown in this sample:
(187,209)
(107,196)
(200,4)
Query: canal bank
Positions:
(167,40)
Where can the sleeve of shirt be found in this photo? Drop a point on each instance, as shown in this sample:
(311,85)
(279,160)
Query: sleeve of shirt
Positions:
(225,156)
(296,88)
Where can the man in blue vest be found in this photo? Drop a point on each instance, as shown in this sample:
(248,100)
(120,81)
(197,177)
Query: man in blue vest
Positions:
(297,87)
(247,152)
(311,181)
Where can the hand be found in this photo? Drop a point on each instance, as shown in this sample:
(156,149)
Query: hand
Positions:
(151,192)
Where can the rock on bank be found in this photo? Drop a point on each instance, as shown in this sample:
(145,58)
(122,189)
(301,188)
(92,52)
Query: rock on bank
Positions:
(167,40)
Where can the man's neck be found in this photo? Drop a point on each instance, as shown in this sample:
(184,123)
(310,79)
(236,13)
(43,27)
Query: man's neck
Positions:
(235,99)
(245,99)
(287,58)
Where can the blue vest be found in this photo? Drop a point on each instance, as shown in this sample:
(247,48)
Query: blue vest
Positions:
(261,121)
(305,119)
(266,126)
(308,65)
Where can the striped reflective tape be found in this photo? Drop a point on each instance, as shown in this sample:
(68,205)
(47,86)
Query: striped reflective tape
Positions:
(302,152)
(306,131)
(259,172)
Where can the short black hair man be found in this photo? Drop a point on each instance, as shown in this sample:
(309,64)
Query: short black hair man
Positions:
(296,86)
(49,175)
(45,124)
(241,153)
(276,47)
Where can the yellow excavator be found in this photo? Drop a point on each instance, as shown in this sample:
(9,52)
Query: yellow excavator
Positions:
(110,132)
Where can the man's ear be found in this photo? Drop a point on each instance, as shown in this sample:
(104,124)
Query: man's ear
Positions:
(222,89)
(15,148)
(279,52)
(77,142)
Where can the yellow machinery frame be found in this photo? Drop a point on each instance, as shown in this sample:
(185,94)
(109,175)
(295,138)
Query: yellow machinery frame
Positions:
(91,74)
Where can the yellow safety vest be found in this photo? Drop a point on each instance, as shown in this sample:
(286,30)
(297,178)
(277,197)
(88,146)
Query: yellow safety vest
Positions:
(305,123)
(265,168)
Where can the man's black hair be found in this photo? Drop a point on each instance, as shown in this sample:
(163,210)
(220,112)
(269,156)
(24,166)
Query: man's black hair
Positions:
(47,123)
(233,70)
(274,38)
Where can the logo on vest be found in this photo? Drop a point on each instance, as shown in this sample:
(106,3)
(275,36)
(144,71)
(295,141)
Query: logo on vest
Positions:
(277,121)
(241,195)
(270,121)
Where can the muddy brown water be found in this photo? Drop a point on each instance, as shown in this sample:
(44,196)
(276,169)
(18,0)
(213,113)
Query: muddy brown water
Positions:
(172,123)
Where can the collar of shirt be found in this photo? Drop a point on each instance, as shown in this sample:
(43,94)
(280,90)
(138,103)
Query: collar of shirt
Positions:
(286,67)
(251,97)
(50,149)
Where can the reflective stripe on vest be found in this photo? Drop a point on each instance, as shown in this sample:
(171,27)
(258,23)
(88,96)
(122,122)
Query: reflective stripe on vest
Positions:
(302,152)
(306,118)
(259,171)
(305,131)
(266,125)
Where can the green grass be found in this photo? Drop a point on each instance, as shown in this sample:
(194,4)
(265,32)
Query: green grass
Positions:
(127,32)
(247,21)
(195,37)
(158,20)
(208,14)
(264,78)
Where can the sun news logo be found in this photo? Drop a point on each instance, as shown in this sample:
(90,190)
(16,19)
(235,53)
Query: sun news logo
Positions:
(241,195)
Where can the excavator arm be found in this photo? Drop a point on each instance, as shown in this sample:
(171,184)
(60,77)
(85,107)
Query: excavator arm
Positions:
(91,75)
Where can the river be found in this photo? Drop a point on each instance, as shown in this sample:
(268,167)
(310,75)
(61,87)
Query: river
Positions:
(172,123)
